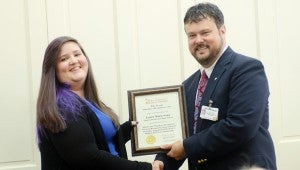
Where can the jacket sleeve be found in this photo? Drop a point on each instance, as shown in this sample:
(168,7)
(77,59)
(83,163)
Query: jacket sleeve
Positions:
(77,146)
(126,129)
(169,163)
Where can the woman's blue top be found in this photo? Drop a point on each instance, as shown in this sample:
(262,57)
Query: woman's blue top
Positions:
(108,127)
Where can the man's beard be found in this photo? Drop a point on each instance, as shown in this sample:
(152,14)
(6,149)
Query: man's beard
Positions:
(210,57)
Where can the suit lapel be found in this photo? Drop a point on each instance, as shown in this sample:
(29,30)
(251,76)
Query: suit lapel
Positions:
(219,69)
(216,75)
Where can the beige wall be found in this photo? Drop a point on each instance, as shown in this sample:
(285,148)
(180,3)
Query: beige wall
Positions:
(139,44)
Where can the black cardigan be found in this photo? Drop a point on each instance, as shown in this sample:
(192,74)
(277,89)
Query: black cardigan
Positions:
(83,146)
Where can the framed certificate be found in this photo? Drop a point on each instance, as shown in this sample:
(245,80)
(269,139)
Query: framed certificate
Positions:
(161,116)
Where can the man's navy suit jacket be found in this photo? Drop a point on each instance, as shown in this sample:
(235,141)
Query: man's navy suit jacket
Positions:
(238,87)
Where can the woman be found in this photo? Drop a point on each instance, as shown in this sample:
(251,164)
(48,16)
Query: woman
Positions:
(76,130)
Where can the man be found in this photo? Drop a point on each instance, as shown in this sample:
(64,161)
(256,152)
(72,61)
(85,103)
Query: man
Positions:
(229,117)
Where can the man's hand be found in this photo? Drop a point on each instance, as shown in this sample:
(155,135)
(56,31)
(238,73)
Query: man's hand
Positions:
(176,150)
(157,165)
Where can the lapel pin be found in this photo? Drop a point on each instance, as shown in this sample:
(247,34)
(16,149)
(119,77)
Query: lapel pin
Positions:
(216,78)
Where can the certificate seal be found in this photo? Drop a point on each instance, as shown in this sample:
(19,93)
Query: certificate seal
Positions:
(150,139)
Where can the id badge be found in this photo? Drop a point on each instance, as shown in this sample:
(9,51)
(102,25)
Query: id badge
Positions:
(209,113)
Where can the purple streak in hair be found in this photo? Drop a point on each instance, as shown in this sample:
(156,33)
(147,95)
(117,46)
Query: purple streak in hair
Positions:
(69,104)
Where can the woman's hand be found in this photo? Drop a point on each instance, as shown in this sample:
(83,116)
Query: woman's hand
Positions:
(157,165)
(134,123)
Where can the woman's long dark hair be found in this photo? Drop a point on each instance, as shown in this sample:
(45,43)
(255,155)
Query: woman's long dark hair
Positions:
(52,91)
